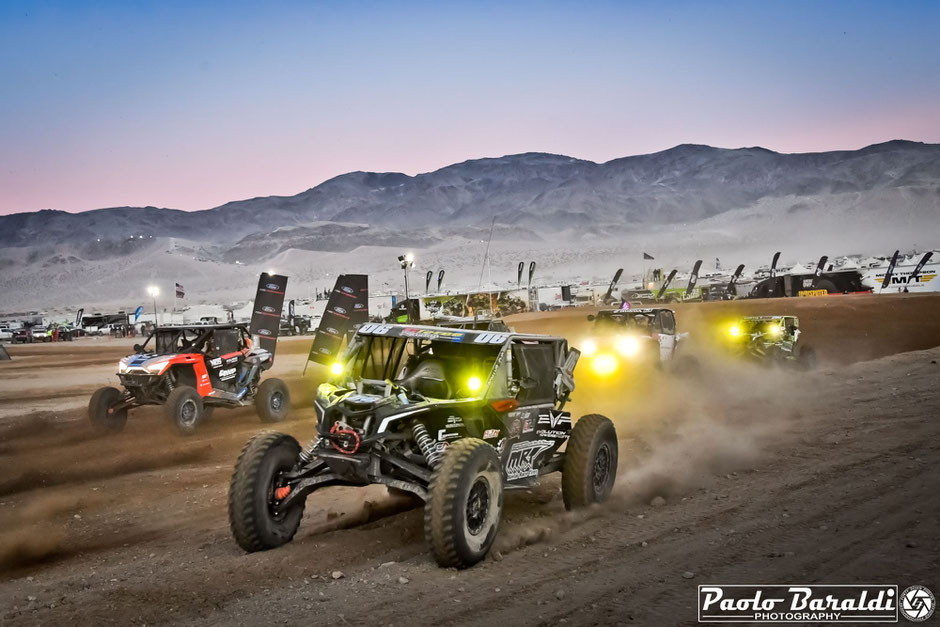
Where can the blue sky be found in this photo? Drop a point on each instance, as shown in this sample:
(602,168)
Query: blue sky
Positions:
(191,104)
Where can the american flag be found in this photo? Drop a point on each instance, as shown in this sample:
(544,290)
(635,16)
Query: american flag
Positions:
(180,292)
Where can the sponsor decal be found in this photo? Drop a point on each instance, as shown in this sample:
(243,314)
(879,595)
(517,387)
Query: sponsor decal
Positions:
(436,334)
(917,604)
(339,310)
(272,286)
(515,428)
(231,360)
(325,351)
(359,306)
(268,309)
(228,373)
(798,603)
(812,293)
(528,425)
(523,456)
(554,418)
(348,289)
(490,433)
(332,331)
(454,421)
(215,363)
(549,433)
(443,435)
(265,332)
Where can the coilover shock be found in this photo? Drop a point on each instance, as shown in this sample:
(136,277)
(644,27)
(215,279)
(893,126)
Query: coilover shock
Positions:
(429,448)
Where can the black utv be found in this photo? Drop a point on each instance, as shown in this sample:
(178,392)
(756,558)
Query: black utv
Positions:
(452,416)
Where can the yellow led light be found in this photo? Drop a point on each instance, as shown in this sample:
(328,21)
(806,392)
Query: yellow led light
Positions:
(336,368)
(735,330)
(474,384)
(627,345)
(775,330)
(589,347)
(604,364)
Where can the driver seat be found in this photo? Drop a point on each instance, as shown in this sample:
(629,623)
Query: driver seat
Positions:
(428,379)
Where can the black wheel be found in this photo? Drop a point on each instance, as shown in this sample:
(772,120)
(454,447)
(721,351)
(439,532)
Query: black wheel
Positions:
(272,400)
(184,409)
(101,410)
(686,366)
(826,284)
(256,520)
(806,358)
(590,467)
(465,503)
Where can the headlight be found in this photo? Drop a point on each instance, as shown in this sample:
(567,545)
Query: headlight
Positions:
(158,367)
(474,384)
(735,330)
(604,365)
(589,347)
(336,368)
(122,367)
(627,345)
(774,330)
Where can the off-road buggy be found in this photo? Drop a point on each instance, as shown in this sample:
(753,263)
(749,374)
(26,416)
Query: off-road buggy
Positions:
(190,370)
(640,336)
(452,416)
(772,340)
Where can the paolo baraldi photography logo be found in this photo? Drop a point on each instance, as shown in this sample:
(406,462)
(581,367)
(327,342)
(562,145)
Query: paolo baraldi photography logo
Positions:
(814,603)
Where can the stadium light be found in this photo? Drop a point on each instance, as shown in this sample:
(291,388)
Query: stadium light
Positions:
(154,291)
(407,261)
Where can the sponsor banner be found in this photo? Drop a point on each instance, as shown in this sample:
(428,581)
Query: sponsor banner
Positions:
(797,603)
(266,316)
(347,307)
(812,293)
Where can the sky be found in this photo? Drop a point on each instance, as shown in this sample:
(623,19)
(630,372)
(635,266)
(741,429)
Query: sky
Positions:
(191,104)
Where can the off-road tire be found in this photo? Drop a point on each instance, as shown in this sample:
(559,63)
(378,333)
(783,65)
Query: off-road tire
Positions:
(272,401)
(826,284)
(458,533)
(590,466)
(184,409)
(254,525)
(101,401)
(806,358)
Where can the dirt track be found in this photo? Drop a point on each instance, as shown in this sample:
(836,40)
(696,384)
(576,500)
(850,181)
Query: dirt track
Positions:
(768,476)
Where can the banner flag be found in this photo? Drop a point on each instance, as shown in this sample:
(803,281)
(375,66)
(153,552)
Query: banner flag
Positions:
(348,307)
(266,316)
(693,279)
(894,261)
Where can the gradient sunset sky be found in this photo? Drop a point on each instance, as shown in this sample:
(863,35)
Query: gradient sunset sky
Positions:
(192,104)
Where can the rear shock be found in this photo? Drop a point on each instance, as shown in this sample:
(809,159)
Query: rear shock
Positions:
(429,448)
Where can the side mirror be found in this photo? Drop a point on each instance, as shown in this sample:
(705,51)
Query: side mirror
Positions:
(138,348)
(591,317)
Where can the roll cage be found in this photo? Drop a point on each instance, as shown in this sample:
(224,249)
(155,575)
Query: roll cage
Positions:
(220,339)
(505,365)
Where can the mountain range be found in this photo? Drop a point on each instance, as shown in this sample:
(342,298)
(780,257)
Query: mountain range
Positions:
(537,194)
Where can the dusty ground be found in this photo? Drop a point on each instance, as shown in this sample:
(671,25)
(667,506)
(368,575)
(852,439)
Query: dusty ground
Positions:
(767,476)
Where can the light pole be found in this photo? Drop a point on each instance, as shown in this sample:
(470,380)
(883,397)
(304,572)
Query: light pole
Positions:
(407,262)
(154,291)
